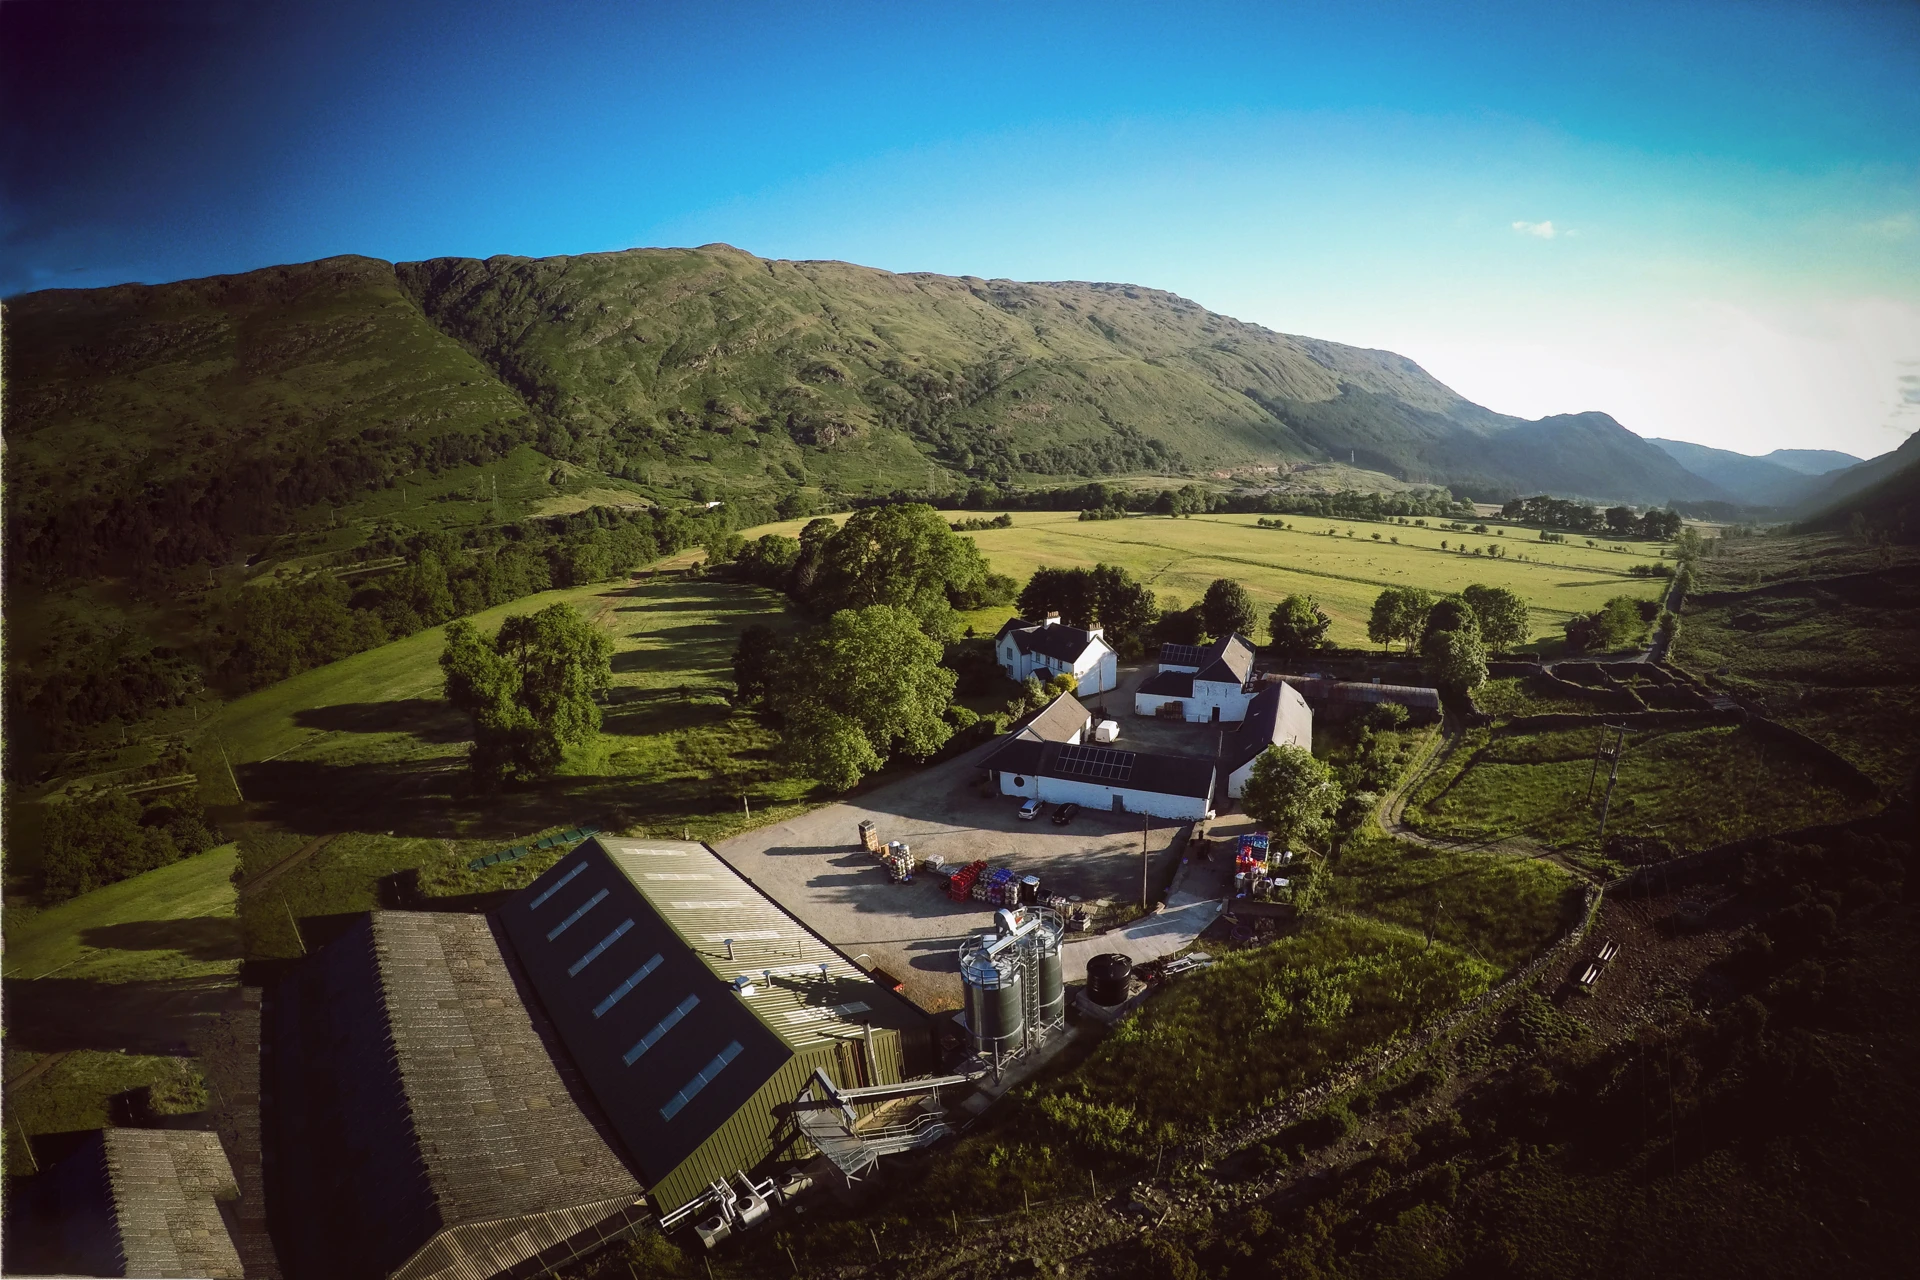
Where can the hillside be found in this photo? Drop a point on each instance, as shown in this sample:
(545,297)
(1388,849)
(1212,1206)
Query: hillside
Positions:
(1759,482)
(1879,487)
(159,427)
(1812,462)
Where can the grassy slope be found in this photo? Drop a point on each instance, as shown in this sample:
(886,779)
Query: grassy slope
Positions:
(1693,788)
(176,922)
(1178,558)
(1788,625)
(74,1094)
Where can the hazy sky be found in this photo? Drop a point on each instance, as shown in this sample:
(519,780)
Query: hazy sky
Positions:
(1701,218)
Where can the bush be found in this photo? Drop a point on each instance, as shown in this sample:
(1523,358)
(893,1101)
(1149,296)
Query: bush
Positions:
(89,845)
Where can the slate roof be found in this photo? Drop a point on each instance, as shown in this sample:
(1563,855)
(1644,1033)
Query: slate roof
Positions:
(1228,660)
(1277,714)
(423,1098)
(1153,774)
(626,943)
(1057,641)
(1058,721)
(1167,684)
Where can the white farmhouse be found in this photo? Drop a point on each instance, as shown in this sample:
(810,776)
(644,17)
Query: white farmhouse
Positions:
(1050,759)
(1211,683)
(1047,649)
(1277,716)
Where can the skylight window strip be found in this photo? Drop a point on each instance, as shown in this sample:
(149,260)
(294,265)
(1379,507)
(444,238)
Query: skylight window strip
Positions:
(584,907)
(660,1028)
(594,954)
(555,887)
(632,981)
(700,1081)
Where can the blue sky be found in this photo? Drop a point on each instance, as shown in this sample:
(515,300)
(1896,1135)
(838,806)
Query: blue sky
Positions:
(1704,219)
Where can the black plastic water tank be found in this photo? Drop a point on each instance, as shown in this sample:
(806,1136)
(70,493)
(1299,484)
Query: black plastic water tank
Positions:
(1107,978)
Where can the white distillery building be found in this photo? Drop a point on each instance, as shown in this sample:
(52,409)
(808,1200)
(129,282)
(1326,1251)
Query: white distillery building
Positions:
(1200,684)
(1050,759)
(1277,716)
(1048,648)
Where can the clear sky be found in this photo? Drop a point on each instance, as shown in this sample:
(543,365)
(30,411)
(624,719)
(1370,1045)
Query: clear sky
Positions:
(1703,218)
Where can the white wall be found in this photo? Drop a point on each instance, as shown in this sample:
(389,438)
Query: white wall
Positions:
(1099,795)
(1198,709)
(1098,670)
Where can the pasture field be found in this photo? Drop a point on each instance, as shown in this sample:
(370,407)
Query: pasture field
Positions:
(173,922)
(1693,788)
(1179,557)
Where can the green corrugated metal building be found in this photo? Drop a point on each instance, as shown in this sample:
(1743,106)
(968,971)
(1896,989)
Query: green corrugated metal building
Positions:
(695,1008)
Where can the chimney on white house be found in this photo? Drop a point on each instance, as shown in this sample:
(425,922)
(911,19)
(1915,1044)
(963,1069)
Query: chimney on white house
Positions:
(1052,620)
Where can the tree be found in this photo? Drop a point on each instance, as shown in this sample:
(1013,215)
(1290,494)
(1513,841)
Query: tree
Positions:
(1179,626)
(1504,621)
(859,686)
(1226,609)
(1456,660)
(529,690)
(1293,795)
(1106,595)
(1448,613)
(904,557)
(1399,613)
(1067,592)
(1609,627)
(1297,626)
(756,662)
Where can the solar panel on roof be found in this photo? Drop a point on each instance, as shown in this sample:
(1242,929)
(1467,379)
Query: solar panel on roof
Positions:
(1186,655)
(660,1029)
(593,953)
(1096,762)
(700,1081)
(633,980)
(579,911)
(555,887)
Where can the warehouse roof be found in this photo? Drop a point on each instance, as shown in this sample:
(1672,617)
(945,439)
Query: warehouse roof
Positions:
(1058,721)
(423,1099)
(679,988)
(128,1202)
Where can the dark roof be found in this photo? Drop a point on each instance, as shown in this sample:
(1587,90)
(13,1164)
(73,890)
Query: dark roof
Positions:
(424,1098)
(128,1202)
(1168,684)
(1232,661)
(1275,712)
(1228,660)
(1057,641)
(1058,721)
(1323,689)
(1128,770)
(1181,655)
(639,985)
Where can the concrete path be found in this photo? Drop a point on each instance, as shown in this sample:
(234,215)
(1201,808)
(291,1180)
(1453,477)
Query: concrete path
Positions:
(1198,896)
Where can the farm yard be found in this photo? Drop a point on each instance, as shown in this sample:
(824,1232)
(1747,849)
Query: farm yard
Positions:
(1177,558)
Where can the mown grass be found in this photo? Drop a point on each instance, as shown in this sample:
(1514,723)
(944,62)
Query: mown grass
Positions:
(1499,908)
(1179,557)
(174,922)
(74,1094)
(1693,788)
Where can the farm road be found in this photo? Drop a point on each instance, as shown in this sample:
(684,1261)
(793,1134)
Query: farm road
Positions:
(1392,812)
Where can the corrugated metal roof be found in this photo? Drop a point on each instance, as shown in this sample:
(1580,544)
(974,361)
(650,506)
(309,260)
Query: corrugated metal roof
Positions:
(166,1187)
(642,988)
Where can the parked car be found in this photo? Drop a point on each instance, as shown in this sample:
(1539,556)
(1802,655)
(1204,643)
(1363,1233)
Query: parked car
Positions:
(1030,810)
(1064,814)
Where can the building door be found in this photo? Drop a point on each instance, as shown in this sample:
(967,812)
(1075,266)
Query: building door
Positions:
(1119,803)
(1216,715)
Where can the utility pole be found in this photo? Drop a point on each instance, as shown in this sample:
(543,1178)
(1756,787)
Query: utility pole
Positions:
(1144,828)
(1619,747)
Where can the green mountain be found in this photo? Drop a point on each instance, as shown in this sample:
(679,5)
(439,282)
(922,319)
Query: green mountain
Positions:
(1885,490)
(155,428)
(1757,482)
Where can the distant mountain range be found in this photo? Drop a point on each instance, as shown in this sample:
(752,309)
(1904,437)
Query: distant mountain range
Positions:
(182,416)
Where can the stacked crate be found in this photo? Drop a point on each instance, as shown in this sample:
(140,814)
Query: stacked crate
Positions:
(960,887)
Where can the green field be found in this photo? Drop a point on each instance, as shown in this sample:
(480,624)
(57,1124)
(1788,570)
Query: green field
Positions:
(74,1094)
(175,922)
(1693,788)
(1179,557)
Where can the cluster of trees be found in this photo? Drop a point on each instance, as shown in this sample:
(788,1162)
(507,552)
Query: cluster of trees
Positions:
(88,677)
(903,556)
(1002,521)
(1613,625)
(1105,595)
(1408,615)
(852,690)
(90,844)
(1297,626)
(282,629)
(1560,513)
(531,689)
